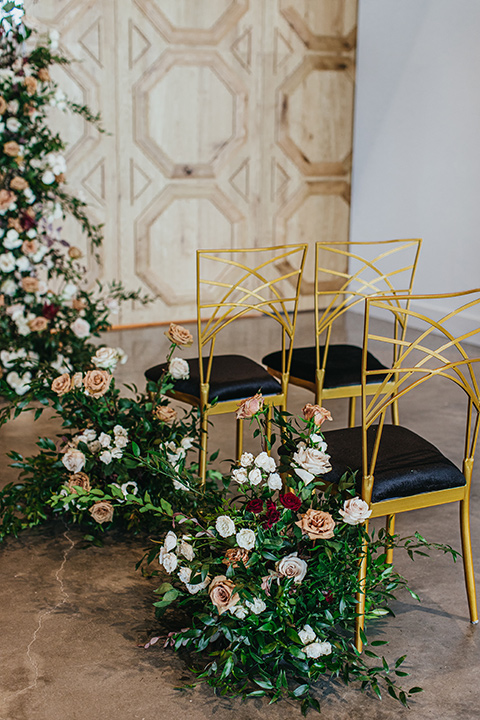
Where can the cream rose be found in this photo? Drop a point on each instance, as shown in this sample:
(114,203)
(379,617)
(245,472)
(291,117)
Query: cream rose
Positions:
(317,649)
(225,526)
(247,408)
(240,475)
(62,384)
(291,566)
(97,382)
(170,541)
(318,525)
(355,511)
(74,460)
(179,335)
(246,459)
(246,538)
(80,328)
(102,511)
(316,413)
(38,324)
(179,369)
(307,635)
(221,593)
(105,358)
(256,606)
(313,461)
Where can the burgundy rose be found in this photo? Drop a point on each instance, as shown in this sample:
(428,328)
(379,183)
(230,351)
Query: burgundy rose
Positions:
(272,516)
(328,596)
(290,501)
(49,311)
(255,506)
(28,222)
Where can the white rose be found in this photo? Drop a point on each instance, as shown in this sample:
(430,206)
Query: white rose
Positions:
(105,358)
(129,488)
(355,511)
(7,262)
(21,384)
(121,441)
(318,441)
(169,561)
(316,649)
(9,287)
(89,434)
(184,574)
(239,611)
(48,177)
(274,481)
(186,443)
(105,457)
(265,462)
(69,291)
(255,476)
(23,264)
(12,124)
(119,430)
(74,460)
(104,440)
(121,355)
(170,541)
(246,539)
(246,459)
(179,369)
(80,328)
(194,589)
(291,566)
(186,550)
(13,106)
(116,452)
(240,475)
(312,461)
(257,606)
(307,635)
(225,526)
(12,240)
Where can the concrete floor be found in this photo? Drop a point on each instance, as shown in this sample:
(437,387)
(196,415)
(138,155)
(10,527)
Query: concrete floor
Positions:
(72,616)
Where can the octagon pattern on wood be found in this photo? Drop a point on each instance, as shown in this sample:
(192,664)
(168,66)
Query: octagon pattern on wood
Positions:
(167,234)
(155,131)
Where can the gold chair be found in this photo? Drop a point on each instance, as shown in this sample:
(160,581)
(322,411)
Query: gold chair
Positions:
(232,284)
(399,470)
(333,370)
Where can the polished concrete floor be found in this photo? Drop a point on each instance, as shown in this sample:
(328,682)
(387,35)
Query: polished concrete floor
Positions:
(72,617)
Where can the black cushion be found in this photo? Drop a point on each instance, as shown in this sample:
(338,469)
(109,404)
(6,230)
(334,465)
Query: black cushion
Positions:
(344,365)
(406,465)
(233,377)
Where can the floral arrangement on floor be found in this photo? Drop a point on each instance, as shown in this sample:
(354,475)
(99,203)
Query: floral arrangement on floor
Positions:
(99,448)
(262,587)
(47,314)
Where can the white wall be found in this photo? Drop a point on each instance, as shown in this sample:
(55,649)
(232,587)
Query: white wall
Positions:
(416,167)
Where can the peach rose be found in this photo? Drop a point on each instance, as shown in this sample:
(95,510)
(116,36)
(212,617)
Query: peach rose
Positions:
(29,247)
(30,284)
(97,382)
(75,253)
(11,148)
(43,75)
(78,304)
(18,183)
(247,408)
(79,479)
(38,324)
(15,224)
(221,593)
(165,413)
(62,384)
(102,511)
(179,335)
(316,413)
(30,84)
(318,525)
(235,556)
(60,178)
(6,199)
(3,105)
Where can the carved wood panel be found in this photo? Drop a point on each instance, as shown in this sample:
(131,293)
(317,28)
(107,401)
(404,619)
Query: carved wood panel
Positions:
(231,126)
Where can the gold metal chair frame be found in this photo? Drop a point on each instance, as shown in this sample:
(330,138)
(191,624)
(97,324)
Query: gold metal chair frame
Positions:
(404,377)
(264,298)
(343,291)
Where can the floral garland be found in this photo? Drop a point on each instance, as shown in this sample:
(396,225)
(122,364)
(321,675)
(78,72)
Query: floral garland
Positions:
(47,316)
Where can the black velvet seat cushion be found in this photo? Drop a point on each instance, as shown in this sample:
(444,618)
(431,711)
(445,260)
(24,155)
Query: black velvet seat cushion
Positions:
(407,464)
(344,365)
(233,377)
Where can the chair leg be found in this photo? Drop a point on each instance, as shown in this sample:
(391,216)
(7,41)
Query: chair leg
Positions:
(390,529)
(202,460)
(360,597)
(239,441)
(468,559)
(395,414)
(351,412)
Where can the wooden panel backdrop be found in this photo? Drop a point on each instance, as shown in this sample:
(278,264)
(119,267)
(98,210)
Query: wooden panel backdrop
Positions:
(230,122)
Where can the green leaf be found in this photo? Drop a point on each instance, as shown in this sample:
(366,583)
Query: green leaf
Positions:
(300,690)
(135,449)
